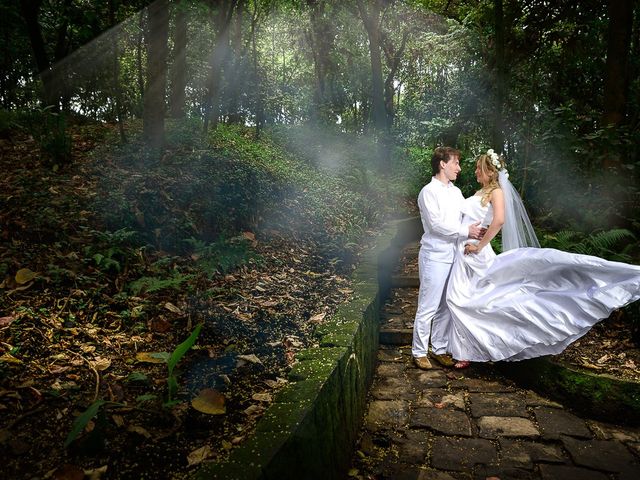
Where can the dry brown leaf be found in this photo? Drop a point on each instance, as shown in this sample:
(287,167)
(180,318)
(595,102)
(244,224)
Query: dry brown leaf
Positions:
(96,473)
(253,410)
(172,308)
(100,363)
(152,357)
(8,358)
(262,397)
(268,303)
(139,430)
(209,401)
(6,321)
(199,455)
(24,275)
(318,317)
(68,472)
(250,358)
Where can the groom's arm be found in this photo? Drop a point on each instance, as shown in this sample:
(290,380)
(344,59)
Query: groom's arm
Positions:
(434,212)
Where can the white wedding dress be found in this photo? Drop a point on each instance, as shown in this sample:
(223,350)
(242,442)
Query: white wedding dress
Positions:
(528,302)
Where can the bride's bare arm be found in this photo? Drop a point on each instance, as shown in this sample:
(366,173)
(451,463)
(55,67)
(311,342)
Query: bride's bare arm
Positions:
(497,201)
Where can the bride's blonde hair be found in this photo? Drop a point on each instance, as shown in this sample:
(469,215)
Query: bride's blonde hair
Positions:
(490,171)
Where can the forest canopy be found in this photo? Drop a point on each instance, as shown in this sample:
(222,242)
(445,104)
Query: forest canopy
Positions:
(553,85)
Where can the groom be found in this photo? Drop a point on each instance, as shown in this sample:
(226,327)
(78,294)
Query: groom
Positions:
(440,205)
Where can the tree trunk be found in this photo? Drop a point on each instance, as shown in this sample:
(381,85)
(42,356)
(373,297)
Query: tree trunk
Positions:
(371,20)
(222,19)
(154,101)
(30,10)
(233,69)
(616,78)
(497,135)
(179,67)
(257,89)
(116,75)
(140,69)
(393,58)
(320,38)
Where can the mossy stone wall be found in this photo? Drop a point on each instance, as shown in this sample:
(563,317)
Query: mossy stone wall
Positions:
(311,428)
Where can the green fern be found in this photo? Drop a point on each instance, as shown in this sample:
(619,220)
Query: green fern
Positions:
(223,255)
(154,284)
(601,244)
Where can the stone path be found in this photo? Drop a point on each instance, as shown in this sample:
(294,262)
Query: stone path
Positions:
(446,424)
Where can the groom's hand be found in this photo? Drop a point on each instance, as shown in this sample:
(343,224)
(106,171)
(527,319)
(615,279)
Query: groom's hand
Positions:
(476,231)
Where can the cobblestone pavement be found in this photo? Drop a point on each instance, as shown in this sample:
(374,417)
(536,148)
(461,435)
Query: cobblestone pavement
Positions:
(445,424)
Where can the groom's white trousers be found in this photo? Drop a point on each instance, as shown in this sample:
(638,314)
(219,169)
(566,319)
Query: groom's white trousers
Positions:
(431,317)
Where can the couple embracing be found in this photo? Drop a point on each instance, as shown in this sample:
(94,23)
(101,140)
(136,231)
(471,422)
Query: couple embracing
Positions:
(474,305)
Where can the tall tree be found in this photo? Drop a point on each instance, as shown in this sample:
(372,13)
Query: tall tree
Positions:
(616,77)
(320,38)
(393,56)
(497,127)
(30,10)
(222,13)
(179,64)
(117,89)
(154,98)
(371,19)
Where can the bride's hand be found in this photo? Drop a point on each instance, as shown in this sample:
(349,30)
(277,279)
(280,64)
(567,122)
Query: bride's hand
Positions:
(471,248)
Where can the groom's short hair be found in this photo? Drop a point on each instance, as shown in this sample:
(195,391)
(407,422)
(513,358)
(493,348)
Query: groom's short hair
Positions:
(442,154)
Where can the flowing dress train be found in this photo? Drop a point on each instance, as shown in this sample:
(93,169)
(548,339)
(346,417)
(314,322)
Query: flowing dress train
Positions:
(528,302)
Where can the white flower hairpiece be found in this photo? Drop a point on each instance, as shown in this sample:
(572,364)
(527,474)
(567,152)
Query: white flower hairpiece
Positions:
(495,160)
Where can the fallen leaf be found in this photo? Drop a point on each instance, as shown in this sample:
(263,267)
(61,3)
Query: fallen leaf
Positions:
(262,397)
(172,308)
(249,236)
(439,405)
(139,430)
(603,358)
(7,357)
(590,366)
(25,275)
(5,321)
(68,472)
(152,357)
(209,401)
(318,317)
(268,303)
(96,473)
(250,358)
(100,363)
(199,455)
(253,410)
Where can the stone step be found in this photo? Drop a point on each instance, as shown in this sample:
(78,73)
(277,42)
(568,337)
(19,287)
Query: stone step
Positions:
(396,336)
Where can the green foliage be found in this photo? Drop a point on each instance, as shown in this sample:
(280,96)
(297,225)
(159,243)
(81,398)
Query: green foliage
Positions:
(222,255)
(83,419)
(49,129)
(176,356)
(156,284)
(601,243)
(112,249)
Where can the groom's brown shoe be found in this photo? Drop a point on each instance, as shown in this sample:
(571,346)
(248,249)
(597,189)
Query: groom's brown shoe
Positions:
(443,359)
(422,363)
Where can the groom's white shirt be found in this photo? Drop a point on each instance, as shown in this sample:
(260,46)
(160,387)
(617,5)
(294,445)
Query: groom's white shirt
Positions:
(441,213)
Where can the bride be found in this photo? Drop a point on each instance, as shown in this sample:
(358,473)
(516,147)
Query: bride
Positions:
(525,302)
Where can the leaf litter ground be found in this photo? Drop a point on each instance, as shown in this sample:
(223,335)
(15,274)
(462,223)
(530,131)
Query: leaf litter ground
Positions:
(69,336)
